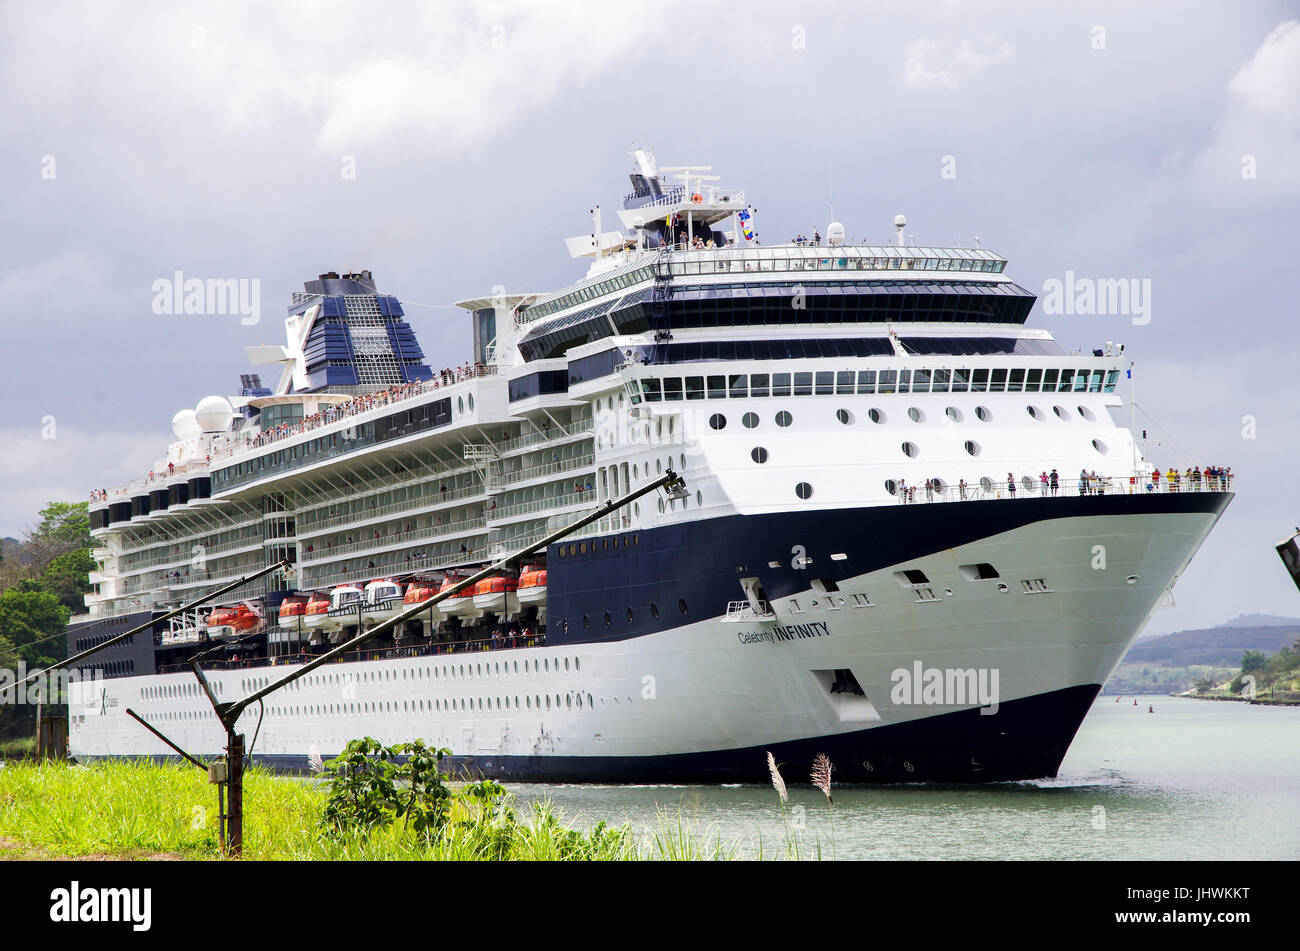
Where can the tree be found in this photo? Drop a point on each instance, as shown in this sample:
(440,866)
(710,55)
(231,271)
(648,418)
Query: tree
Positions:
(1253,660)
(68,578)
(64,527)
(30,617)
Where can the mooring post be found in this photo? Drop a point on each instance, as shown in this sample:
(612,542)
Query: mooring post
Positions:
(235,824)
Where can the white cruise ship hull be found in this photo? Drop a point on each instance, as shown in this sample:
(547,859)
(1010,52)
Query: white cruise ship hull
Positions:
(696,694)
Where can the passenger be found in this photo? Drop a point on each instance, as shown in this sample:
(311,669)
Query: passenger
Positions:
(1054,480)
(1011,485)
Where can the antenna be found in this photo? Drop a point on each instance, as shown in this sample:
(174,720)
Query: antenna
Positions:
(900,223)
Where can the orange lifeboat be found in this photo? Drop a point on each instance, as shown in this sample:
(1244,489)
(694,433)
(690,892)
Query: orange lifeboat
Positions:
(317,610)
(532,588)
(246,618)
(498,595)
(221,622)
(460,604)
(291,609)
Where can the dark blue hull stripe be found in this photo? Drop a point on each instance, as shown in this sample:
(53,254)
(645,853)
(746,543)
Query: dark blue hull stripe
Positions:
(1025,739)
(696,565)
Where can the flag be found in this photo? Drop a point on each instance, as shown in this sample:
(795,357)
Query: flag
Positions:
(1129,373)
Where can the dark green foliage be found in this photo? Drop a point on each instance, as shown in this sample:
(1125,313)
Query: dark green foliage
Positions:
(372,785)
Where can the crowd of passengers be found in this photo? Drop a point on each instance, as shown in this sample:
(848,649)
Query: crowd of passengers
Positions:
(1089,483)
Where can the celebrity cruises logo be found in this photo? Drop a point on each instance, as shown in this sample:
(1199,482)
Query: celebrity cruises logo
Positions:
(946,687)
(210,297)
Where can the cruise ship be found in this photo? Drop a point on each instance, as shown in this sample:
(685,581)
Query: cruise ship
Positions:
(915,535)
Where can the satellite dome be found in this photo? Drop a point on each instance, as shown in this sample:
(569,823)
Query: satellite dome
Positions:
(214,414)
(184,425)
(900,221)
(835,233)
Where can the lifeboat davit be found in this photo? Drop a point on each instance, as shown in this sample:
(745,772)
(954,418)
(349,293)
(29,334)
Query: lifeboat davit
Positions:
(291,609)
(343,607)
(532,589)
(317,611)
(498,596)
(383,599)
(461,604)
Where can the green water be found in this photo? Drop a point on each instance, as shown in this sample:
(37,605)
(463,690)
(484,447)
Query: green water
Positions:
(1195,780)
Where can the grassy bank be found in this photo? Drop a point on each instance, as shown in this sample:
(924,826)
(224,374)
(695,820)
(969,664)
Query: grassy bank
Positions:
(137,810)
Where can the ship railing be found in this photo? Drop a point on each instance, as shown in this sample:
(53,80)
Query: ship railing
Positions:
(307,526)
(552,434)
(738,611)
(540,505)
(390,564)
(1028,487)
(328,552)
(584,461)
(362,404)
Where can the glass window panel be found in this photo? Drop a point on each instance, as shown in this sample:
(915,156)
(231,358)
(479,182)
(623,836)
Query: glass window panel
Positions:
(1067,381)
(940,382)
(979,382)
(999,382)
(739,386)
(758,384)
(888,382)
(695,387)
(844,381)
(1095,386)
(1033,380)
(1016,382)
(673,389)
(825,382)
(802,384)
(717,387)
(1081,381)
(867,381)
(904,381)
(780,384)
(920,381)
(960,380)
(1049,380)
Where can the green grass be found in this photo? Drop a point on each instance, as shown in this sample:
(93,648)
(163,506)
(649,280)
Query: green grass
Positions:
(140,810)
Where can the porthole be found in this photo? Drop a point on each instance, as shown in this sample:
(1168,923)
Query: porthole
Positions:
(683,458)
(758,454)
(718,421)
(844,416)
(803,490)
(629,621)
(659,467)
(1131,579)
(1100,446)
(681,605)
(661,506)
(891,486)
(608,619)
(784,419)
(986,484)
(875,415)
(1086,413)
(972,447)
(586,623)
(1028,484)
(1061,412)
(1035,412)
(460,404)
(699,497)
(470,402)
(915,415)
(749,420)
(983,413)
(953,413)
(636,471)
(654,610)
(910,450)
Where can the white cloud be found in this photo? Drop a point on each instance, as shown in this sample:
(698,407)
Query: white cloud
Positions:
(929,63)
(1259,127)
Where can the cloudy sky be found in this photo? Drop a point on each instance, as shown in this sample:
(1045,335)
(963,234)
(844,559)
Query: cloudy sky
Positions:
(449,147)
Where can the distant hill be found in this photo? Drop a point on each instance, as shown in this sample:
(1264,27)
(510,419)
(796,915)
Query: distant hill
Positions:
(1172,663)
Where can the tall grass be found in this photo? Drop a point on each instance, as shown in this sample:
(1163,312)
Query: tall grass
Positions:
(139,810)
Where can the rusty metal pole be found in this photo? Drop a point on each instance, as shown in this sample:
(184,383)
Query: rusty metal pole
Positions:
(235,807)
